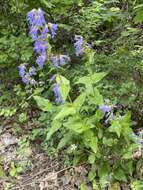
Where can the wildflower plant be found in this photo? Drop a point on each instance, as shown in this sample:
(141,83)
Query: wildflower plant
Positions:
(41,33)
(81,122)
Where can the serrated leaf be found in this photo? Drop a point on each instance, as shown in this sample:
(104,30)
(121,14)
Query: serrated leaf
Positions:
(65,140)
(116,128)
(79,101)
(55,126)
(94,144)
(77,125)
(64,86)
(43,104)
(66,111)
(98,98)
(91,79)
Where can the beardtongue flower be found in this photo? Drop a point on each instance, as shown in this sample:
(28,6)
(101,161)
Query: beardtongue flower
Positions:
(64,59)
(53,29)
(58,97)
(105,108)
(38,32)
(36,17)
(22,68)
(41,60)
(78,45)
(60,60)
(32,71)
(55,61)
(52,78)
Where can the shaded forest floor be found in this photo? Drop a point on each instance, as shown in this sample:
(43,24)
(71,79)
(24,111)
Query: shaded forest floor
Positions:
(26,166)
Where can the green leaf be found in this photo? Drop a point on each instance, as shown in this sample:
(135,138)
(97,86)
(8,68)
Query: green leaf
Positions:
(90,140)
(55,126)
(91,158)
(115,186)
(64,86)
(139,16)
(137,185)
(79,101)
(98,98)
(43,104)
(94,144)
(116,128)
(83,187)
(66,111)
(1,171)
(119,174)
(19,169)
(91,79)
(13,170)
(92,173)
(103,172)
(95,186)
(65,140)
(77,125)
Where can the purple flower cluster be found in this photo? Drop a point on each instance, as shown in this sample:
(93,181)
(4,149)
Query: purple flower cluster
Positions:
(105,108)
(57,94)
(53,29)
(59,60)
(79,45)
(38,32)
(27,76)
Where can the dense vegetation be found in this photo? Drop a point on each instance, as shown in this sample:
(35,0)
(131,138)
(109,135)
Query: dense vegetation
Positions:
(73,69)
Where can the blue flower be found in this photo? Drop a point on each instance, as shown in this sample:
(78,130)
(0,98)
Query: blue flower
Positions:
(78,45)
(105,108)
(36,17)
(41,60)
(26,78)
(40,46)
(52,78)
(22,69)
(32,81)
(38,32)
(64,59)
(55,61)
(33,32)
(32,71)
(58,60)
(44,32)
(53,28)
(57,94)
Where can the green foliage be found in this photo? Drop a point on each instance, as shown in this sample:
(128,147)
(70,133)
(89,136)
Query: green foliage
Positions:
(79,127)
(84,127)
(137,185)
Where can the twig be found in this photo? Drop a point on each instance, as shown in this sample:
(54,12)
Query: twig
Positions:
(41,172)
